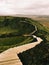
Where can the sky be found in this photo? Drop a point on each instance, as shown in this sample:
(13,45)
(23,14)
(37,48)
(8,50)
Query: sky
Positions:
(24,7)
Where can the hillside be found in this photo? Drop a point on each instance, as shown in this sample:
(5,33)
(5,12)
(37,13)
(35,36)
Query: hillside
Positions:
(12,31)
(44,20)
(38,55)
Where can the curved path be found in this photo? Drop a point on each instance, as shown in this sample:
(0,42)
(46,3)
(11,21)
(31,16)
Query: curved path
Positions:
(10,56)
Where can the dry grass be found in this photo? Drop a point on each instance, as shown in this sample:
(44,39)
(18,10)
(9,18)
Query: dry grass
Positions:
(44,21)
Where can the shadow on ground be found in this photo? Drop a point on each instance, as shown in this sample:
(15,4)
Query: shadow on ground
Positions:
(38,55)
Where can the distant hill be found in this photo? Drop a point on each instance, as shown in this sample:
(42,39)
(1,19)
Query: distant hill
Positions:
(44,20)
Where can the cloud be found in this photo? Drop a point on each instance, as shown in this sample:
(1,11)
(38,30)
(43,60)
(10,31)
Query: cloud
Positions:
(26,7)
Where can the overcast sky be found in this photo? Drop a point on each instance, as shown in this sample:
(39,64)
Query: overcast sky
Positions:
(26,7)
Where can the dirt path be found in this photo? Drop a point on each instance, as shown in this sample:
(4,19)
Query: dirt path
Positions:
(10,57)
